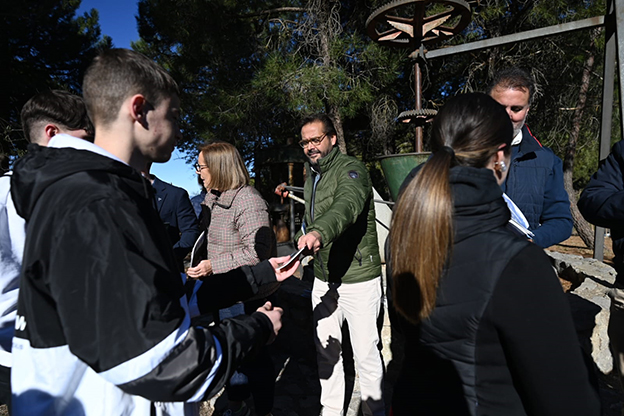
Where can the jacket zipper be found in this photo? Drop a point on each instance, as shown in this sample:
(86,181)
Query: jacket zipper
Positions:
(317,179)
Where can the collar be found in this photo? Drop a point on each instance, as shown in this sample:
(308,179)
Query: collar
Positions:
(517,139)
(157,184)
(326,162)
(477,201)
(223,199)
(529,144)
(65,140)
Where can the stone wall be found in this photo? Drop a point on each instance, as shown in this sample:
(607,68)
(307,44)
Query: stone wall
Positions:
(589,301)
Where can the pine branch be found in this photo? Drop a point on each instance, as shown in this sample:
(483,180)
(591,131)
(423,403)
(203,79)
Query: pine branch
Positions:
(272,11)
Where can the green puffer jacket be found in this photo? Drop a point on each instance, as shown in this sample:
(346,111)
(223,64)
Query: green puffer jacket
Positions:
(344,216)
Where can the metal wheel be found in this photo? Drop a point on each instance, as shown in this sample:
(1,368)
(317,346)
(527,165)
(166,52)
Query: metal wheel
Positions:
(417,117)
(412,23)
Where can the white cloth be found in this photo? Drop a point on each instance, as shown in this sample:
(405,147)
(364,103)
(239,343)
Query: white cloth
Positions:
(359,304)
(12,236)
(65,140)
(517,139)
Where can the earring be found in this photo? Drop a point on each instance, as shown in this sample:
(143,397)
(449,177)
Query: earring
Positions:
(503,166)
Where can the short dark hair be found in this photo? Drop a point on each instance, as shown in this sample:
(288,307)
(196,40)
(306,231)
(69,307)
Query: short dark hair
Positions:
(514,78)
(117,74)
(328,124)
(59,107)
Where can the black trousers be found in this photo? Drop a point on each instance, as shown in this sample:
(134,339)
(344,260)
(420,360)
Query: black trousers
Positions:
(5,386)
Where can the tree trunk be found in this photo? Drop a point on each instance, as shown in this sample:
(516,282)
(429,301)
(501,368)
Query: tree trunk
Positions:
(582,227)
(326,33)
(335,115)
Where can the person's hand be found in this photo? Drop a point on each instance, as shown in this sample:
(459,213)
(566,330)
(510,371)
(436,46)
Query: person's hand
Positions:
(281,190)
(287,271)
(203,269)
(275,315)
(311,240)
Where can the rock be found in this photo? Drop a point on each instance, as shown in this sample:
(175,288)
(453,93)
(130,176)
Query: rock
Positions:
(600,343)
(589,302)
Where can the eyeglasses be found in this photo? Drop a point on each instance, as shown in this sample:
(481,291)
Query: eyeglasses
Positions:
(199,167)
(315,141)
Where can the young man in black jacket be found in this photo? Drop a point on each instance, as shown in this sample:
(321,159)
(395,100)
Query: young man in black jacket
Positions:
(103,325)
(44,116)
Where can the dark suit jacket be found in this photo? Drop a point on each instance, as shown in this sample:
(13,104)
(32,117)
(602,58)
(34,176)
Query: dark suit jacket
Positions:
(176,211)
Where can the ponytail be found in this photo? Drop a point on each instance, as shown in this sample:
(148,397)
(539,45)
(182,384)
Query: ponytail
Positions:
(422,236)
(421,239)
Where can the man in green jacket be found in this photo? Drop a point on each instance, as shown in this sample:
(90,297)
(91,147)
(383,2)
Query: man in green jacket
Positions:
(340,230)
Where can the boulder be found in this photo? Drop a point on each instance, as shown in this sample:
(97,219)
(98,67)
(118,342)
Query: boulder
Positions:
(589,302)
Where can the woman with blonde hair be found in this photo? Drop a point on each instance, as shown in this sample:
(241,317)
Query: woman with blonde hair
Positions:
(488,329)
(238,234)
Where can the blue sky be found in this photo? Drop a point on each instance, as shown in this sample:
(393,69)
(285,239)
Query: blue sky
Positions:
(117,20)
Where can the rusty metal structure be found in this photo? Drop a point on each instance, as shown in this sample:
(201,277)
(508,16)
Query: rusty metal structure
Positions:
(415,24)
(391,25)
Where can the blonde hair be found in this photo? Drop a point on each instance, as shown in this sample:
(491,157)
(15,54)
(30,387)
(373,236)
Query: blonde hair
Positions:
(227,169)
(467,131)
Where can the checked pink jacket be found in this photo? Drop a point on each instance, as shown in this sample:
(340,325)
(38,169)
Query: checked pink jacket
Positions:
(240,232)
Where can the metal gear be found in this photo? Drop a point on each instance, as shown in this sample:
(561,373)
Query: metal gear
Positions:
(412,23)
(417,117)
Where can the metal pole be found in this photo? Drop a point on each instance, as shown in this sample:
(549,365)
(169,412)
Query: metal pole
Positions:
(619,35)
(607,110)
(291,181)
(516,37)
(418,87)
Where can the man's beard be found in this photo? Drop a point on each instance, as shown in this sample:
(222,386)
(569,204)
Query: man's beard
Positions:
(315,163)
(518,129)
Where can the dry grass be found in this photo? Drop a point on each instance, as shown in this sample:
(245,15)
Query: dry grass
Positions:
(574,245)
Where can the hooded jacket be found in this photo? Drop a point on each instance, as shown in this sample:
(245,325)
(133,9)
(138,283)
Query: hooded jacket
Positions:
(102,325)
(339,206)
(500,340)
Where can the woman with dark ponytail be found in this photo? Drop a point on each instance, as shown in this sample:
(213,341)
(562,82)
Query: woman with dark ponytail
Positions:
(488,329)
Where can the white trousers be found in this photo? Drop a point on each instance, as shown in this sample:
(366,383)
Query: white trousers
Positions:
(359,304)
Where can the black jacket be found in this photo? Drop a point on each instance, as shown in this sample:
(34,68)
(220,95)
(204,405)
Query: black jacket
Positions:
(102,310)
(500,340)
(602,202)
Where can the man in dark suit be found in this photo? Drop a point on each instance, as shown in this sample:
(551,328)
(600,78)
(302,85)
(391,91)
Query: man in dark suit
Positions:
(178,215)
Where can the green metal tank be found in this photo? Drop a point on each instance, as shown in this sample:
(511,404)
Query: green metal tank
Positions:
(396,168)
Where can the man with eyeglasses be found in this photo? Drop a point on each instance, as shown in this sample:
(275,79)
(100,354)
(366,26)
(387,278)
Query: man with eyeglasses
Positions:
(340,230)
